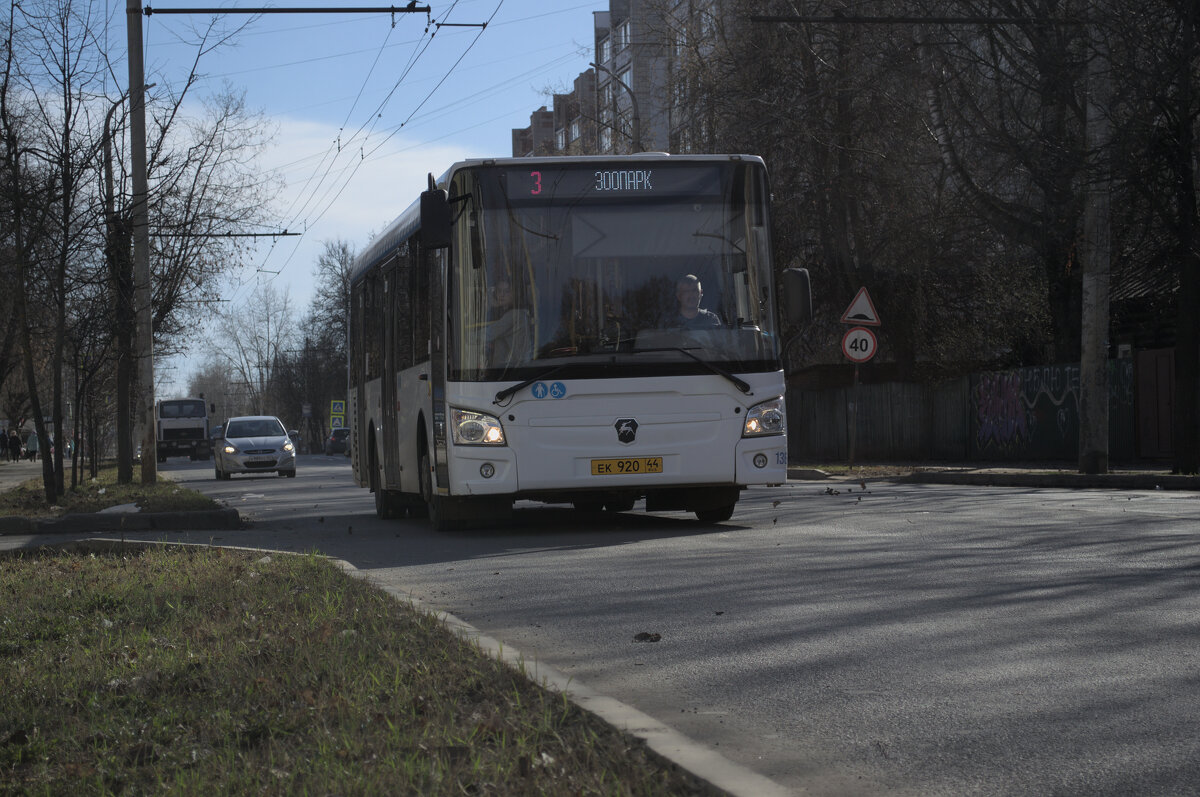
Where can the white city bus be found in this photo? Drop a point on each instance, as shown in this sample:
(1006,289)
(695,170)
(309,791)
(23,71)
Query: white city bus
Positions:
(516,334)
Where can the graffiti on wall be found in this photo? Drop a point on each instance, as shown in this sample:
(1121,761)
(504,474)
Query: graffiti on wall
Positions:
(1028,411)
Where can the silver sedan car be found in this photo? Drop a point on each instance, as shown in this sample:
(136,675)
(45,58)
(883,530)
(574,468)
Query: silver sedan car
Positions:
(254,444)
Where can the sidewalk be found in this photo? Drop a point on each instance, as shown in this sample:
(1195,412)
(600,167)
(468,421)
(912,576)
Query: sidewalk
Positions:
(1025,475)
(13,473)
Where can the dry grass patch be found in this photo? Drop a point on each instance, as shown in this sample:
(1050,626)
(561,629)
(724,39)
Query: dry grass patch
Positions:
(29,498)
(207,671)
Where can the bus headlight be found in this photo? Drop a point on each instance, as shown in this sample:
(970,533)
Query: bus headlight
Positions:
(475,428)
(764,419)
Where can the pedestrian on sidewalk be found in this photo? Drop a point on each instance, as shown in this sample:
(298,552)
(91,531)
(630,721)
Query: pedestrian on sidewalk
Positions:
(14,445)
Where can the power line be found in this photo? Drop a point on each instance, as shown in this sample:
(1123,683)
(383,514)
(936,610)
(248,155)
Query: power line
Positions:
(411,8)
(283,234)
(328,203)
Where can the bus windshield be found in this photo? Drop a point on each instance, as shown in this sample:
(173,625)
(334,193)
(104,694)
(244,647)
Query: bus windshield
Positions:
(607,270)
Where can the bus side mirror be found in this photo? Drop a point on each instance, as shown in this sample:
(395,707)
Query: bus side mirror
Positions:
(435,217)
(797,295)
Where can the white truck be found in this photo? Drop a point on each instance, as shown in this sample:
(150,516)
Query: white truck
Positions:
(182,428)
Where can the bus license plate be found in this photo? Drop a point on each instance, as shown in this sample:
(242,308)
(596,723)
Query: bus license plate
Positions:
(629,465)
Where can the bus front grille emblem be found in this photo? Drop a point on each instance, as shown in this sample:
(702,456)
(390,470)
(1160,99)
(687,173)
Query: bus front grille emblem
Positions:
(626,430)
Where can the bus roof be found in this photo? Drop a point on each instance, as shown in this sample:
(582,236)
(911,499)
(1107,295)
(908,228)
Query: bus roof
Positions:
(408,222)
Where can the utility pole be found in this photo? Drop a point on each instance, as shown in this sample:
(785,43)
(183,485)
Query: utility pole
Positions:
(1097,264)
(142,293)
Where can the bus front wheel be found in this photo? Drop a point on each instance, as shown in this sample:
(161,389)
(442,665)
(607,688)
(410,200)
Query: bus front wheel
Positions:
(454,512)
(436,505)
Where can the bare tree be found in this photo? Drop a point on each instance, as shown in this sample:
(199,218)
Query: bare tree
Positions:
(861,195)
(62,209)
(250,340)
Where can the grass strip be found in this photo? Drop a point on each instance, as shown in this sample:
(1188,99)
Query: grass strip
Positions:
(206,671)
(28,499)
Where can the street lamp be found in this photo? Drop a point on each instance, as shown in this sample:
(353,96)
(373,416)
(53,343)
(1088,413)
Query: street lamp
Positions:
(637,116)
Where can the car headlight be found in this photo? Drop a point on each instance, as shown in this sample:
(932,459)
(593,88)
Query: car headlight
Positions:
(229,449)
(475,428)
(765,419)
(287,446)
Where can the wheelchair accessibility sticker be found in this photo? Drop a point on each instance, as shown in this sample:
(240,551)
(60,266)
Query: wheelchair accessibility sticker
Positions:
(554,390)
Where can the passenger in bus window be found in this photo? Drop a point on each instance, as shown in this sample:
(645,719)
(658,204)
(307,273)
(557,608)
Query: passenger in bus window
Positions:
(691,316)
(509,335)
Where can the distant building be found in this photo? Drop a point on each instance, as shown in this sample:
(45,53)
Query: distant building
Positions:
(598,115)
(538,138)
(568,129)
(631,46)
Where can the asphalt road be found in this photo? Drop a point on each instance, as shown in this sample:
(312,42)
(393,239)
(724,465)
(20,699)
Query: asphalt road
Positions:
(903,639)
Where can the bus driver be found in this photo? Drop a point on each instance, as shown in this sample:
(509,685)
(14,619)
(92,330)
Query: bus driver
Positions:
(691,315)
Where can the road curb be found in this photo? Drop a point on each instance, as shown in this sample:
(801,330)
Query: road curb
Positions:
(123,521)
(680,750)
(1082,481)
(688,754)
(1013,478)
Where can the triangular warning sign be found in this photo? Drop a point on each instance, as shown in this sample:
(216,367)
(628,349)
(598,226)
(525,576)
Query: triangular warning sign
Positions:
(861,311)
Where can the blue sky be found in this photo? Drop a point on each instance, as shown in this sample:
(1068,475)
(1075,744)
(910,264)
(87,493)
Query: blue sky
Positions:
(363,110)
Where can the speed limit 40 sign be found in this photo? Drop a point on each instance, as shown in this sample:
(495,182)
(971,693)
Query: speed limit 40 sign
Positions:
(859,344)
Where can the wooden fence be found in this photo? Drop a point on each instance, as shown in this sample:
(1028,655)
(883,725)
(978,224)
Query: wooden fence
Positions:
(1028,414)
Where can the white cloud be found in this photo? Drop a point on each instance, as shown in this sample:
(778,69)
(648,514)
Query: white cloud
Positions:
(331,194)
(350,204)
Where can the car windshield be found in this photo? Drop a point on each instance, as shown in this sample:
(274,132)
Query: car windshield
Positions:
(340,433)
(259,427)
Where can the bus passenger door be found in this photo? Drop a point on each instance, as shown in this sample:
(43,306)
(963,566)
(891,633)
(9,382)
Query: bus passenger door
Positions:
(387,417)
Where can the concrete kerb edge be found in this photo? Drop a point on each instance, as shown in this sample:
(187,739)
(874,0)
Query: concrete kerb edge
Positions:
(696,758)
(1014,478)
(1107,481)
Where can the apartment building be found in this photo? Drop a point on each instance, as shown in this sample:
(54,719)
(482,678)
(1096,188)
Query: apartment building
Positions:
(619,105)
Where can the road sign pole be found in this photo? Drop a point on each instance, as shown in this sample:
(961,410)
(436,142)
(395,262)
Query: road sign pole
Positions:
(853,415)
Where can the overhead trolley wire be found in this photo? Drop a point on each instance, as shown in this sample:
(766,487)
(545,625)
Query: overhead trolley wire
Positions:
(421,104)
(325,201)
(343,147)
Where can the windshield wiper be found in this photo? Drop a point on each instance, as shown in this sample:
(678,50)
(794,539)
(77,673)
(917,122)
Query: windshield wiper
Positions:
(716,369)
(508,391)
